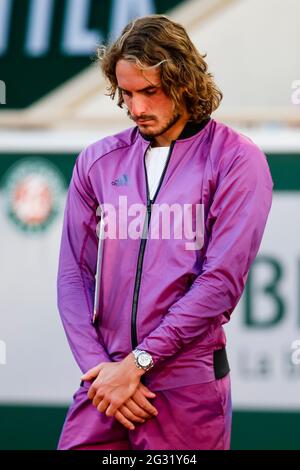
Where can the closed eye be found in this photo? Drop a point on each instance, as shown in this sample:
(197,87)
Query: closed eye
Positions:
(152,91)
(125,92)
(147,91)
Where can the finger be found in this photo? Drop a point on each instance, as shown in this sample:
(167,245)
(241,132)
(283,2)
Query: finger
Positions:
(130,415)
(111,410)
(124,421)
(136,409)
(97,399)
(92,392)
(145,390)
(102,406)
(91,373)
(142,401)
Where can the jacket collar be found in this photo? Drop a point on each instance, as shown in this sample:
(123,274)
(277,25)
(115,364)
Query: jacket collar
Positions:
(191,128)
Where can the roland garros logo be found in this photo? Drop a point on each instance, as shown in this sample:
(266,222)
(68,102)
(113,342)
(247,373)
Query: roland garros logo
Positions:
(33,191)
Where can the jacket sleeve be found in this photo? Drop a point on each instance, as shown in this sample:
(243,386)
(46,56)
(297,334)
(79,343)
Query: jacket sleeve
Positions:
(237,218)
(76,271)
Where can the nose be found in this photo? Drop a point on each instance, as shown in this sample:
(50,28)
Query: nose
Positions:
(138,107)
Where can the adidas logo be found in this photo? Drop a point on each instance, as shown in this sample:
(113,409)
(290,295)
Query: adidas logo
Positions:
(121,181)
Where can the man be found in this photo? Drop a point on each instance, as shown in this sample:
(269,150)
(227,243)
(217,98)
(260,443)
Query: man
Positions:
(155,372)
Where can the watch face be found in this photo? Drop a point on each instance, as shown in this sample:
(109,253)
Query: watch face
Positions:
(144,360)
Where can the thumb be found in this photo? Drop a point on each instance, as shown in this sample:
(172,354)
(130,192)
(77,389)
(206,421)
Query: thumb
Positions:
(91,373)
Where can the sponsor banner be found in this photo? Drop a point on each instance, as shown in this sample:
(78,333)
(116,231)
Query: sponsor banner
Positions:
(43,43)
(35,362)
(264,332)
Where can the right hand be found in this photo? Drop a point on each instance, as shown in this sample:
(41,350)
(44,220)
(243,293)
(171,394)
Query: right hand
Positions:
(137,408)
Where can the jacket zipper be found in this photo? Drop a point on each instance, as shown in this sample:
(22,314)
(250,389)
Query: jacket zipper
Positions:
(138,276)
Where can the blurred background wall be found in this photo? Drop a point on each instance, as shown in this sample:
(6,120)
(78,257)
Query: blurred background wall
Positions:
(52,104)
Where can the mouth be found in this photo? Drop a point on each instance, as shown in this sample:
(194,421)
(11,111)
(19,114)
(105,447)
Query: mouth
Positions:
(142,122)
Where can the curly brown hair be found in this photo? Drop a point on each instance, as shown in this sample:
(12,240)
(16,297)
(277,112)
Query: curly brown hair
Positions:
(157,41)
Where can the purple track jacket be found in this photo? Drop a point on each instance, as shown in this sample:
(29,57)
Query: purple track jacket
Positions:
(154,293)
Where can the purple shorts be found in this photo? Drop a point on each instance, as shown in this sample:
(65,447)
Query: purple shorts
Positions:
(195,417)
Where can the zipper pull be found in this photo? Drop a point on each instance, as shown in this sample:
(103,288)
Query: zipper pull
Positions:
(149,205)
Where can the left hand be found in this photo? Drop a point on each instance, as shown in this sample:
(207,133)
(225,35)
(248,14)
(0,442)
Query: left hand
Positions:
(136,409)
(115,383)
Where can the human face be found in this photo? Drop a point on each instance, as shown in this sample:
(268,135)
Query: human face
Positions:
(148,105)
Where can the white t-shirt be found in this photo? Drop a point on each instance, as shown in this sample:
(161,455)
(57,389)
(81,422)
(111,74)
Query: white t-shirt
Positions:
(156,159)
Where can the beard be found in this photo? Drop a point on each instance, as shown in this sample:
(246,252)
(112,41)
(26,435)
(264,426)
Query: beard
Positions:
(151,134)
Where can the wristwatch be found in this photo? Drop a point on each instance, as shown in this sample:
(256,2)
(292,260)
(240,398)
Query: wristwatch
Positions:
(143,360)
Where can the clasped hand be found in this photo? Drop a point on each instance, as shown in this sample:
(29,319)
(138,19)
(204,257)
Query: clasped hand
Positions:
(117,391)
